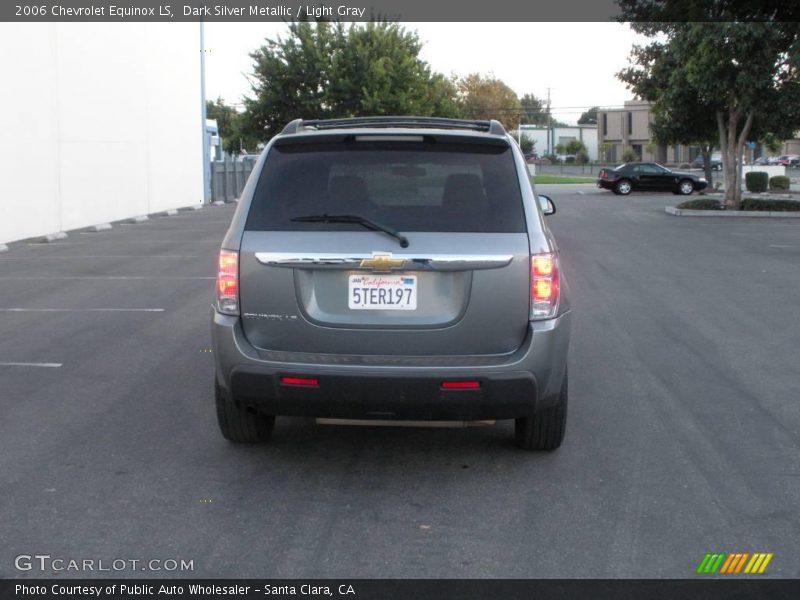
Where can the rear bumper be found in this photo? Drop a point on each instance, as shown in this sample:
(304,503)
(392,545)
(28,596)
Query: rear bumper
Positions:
(356,387)
(606,184)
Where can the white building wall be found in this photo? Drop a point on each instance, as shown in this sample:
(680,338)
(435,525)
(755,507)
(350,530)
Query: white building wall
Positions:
(586,134)
(100,122)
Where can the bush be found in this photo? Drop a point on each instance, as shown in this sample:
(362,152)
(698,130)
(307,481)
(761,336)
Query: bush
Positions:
(685,166)
(779,182)
(770,205)
(629,155)
(551,157)
(582,158)
(701,204)
(756,181)
(526,144)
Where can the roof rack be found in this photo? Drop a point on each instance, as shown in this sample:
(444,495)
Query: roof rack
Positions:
(493,127)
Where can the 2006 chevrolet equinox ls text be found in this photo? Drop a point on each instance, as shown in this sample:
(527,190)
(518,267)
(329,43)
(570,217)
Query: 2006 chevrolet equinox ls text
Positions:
(393,268)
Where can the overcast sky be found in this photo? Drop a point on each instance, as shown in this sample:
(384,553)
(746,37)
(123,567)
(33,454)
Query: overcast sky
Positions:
(577,61)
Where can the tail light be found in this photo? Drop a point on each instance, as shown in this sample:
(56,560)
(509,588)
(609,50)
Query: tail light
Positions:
(544,286)
(228,282)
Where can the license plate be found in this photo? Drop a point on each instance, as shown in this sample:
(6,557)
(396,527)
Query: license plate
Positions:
(382,292)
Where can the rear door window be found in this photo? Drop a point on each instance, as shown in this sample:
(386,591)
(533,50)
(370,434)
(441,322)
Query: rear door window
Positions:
(430,185)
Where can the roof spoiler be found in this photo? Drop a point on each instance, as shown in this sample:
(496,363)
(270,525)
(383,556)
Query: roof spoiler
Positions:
(492,127)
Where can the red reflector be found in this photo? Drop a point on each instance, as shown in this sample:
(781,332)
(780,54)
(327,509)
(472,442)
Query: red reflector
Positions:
(460,385)
(309,381)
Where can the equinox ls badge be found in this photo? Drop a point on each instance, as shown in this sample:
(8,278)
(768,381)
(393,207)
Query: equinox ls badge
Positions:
(382,262)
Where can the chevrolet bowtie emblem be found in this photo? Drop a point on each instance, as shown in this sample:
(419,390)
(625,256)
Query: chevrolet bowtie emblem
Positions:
(382,263)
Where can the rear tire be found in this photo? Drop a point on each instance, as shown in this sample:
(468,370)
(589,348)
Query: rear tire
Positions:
(241,424)
(623,187)
(544,430)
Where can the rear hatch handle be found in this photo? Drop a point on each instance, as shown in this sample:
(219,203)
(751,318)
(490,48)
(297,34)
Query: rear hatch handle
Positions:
(384,261)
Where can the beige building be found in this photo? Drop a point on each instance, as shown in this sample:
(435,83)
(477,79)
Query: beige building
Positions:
(792,146)
(629,127)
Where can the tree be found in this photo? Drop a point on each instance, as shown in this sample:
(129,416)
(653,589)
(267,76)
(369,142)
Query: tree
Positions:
(486,97)
(744,75)
(680,116)
(229,125)
(603,149)
(533,110)
(325,70)
(589,117)
(376,70)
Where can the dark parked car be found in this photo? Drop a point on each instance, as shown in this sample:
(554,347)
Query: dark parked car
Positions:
(650,177)
(391,268)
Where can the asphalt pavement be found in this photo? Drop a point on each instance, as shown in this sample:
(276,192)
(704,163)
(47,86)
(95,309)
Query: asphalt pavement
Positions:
(683,435)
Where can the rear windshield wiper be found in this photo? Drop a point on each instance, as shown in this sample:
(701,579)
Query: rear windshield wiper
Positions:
(364,222)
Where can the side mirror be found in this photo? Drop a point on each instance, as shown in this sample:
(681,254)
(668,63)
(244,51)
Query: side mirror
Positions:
(548,208)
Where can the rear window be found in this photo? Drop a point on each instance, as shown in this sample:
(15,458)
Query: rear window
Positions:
(411,186)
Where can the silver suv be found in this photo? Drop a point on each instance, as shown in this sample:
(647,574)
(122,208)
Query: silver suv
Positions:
(391,268)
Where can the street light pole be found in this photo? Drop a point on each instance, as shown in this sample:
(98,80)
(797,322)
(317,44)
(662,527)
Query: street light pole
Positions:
(206,157)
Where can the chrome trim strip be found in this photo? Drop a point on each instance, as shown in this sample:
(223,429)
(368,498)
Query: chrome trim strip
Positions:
(414,262)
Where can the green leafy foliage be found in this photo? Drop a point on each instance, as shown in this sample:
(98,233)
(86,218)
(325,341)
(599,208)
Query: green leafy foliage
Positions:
(628,155)
(326,70)
(575,147)
(230,127)
(487,97)
(769,204)
(756,181)
(526,144)
(700,204)
(533,110)
(779,182)
(589,117)
(725,65)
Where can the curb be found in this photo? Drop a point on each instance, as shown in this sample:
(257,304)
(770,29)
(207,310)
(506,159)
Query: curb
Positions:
(60,235)
(98,227)
(731,214)
(218,203)
(52,237)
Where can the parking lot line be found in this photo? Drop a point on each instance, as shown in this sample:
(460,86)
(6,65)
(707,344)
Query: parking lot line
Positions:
(117,241)
(34,278)
(81,310)
(29,364)
(100,256)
